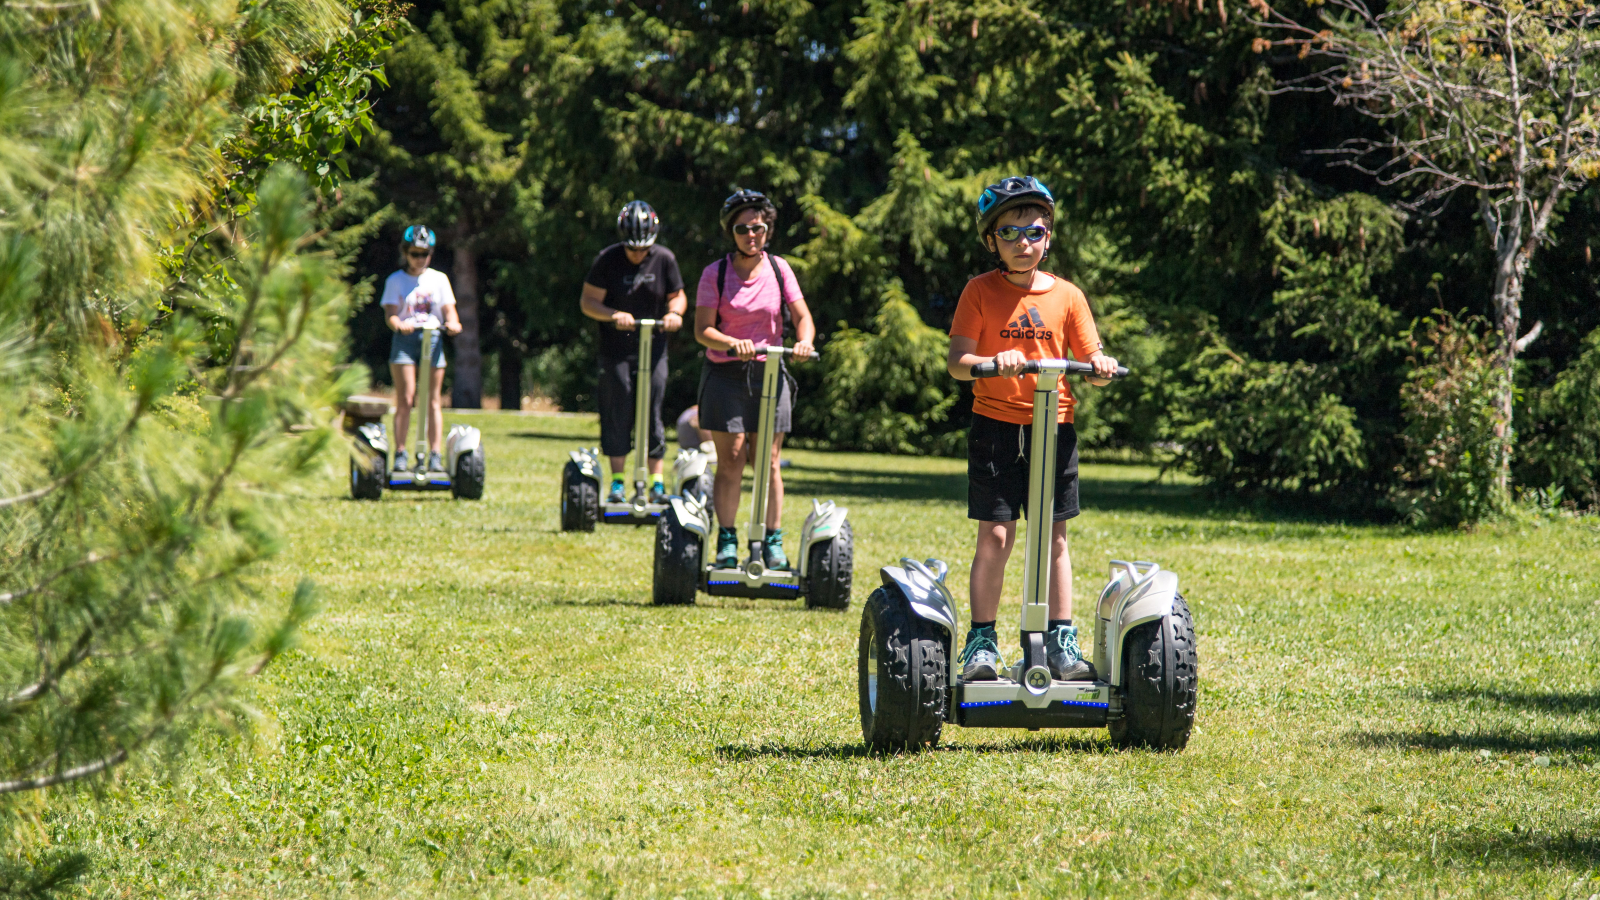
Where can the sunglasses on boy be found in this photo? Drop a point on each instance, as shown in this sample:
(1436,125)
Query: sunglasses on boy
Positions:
(742,230)
(1010,233)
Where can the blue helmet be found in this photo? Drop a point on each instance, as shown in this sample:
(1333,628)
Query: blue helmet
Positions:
(1009,193)
(419,236)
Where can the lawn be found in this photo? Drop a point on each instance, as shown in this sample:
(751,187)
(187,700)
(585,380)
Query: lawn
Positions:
(489,707)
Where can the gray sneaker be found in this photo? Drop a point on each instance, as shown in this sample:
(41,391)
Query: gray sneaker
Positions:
(401,464)
(980,658)
(1065,658)
(435,464)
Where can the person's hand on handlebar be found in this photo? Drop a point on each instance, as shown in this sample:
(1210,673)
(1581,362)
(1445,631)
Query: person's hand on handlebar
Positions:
(671,322)
(803,350)
(452,328)
(1010,362)
(744,349)
(623,321)
(1104,366)
(404,327)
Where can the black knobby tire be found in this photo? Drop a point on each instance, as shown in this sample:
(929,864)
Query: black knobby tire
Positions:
(1160,683)
(910,657)
(580,499)
(830,565)
(677,568)
(367,484)
(467,484)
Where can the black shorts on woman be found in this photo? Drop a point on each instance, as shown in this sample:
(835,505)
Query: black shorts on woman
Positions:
(997,470)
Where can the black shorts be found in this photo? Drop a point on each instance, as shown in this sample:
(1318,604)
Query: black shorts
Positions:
(730,398)
(615,395)
(997,470)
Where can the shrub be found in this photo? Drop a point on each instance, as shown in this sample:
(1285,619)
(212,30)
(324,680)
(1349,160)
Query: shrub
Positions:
(1562,449)
(1455,435)
(1247,424)
(888,391)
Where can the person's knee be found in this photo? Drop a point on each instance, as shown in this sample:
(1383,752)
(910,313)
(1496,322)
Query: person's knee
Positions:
(994,539)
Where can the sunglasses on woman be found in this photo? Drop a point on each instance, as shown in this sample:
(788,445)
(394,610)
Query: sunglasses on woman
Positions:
(1010,233)
(742,230)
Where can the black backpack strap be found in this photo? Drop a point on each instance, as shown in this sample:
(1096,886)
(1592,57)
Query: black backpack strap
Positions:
(783,297)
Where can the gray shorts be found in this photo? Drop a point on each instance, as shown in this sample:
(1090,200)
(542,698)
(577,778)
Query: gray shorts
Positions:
(406,349)
(730,398)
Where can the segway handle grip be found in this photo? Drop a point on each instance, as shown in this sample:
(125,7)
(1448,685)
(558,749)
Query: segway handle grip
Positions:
(991,369)
(787,351)
(651,322)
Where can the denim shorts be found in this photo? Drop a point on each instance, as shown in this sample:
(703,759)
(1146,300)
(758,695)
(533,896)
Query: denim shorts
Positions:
(406,349)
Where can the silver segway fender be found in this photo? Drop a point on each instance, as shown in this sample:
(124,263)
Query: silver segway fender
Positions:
(461,440)
(1138,592)
(689,464)
(923,586)
(822,523)
(371,436)
(693,515)
(588,460)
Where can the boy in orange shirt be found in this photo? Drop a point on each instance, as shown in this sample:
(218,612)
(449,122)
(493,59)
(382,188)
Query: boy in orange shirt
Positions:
(1011,315)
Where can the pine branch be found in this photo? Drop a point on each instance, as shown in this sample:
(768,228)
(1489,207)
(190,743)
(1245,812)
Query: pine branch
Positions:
(94,459)
(89,560)
(72,774)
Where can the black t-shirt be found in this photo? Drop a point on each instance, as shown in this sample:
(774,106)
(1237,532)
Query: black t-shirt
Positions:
(640,290)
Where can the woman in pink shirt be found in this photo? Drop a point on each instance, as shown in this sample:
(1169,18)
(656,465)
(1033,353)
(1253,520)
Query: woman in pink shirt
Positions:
(738,310)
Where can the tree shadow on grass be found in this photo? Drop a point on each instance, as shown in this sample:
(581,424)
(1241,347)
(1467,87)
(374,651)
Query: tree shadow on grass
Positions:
(1498,741)
(553,436)
(1554,702)
(1522,848)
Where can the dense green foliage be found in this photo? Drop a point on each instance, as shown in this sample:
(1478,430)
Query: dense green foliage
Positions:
(169,365)
(1262,295)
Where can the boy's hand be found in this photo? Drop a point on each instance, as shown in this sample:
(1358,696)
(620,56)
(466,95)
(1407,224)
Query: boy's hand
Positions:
(1010,363)
(1104,366)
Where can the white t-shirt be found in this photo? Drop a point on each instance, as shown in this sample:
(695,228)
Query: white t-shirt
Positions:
(419,300)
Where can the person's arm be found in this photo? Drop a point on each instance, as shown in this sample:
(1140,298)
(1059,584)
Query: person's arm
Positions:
(1083,339)
(706,333)
(677,305)
(963,356)
(594,306)
(452,322)
(394,323)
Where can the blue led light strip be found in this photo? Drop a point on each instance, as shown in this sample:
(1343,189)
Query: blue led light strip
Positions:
(1084,703)
(973,703)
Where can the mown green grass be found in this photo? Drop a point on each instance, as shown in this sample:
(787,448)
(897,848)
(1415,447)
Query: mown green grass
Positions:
(488,707)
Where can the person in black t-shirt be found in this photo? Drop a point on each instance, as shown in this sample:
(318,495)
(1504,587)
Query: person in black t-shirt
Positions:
(635,279)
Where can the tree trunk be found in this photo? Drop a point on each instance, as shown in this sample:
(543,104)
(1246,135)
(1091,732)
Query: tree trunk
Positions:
(1510,261)
(510,372)
(466,384)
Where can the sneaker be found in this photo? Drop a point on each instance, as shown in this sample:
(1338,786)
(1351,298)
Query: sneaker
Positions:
(1065,659)
(980,658)
(772,555)
(617,494)
(401,463)
(727,548)
(658,492)
(435,464)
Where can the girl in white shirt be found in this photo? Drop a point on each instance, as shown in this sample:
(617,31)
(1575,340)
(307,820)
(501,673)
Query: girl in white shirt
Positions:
(414,298)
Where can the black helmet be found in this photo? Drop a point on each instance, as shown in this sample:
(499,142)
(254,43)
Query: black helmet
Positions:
(1009,193)
(638,225)
(742,200)
(420,237)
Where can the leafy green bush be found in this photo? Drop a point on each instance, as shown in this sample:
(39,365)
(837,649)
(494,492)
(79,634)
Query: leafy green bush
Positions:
(1455,435)
(1562,448)
(1249,424)
(888,391)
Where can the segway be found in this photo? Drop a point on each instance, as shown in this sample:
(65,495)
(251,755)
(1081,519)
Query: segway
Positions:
(463,474)
(581,506)
(369,445)
(685,558)
(1144,649)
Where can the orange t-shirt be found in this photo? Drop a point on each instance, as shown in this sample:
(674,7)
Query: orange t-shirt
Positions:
(1043,324)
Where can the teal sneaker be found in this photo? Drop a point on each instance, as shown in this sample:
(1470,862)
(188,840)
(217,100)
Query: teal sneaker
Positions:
(727,548)
(616,495)
(980,658)
(772,555)
(1065,658)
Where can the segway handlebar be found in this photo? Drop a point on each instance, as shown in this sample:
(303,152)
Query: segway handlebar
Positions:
(1045,367)
(787,351)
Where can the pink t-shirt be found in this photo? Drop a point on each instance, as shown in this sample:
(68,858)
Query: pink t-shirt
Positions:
(747,310)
